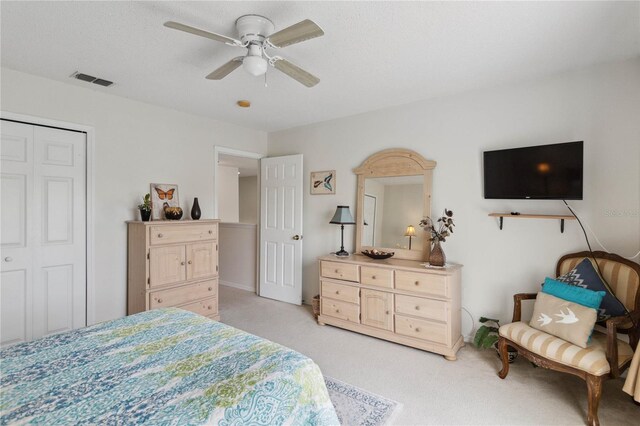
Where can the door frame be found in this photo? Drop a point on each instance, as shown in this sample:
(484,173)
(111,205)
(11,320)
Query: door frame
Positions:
(90,191)
(217,150)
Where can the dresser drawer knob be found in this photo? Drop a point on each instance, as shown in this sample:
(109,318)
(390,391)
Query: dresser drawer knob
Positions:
(337,271)
(417,283)
(209,307)
(337,291)
(417,308)
(210,231)
(417,330)
(182,263)
(189,262)
(160,235)
(337,311)
(373,277)
(386,312)
(210,288)
(159,300)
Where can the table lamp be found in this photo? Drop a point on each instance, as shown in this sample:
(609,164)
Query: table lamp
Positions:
(410,232)
(342,217)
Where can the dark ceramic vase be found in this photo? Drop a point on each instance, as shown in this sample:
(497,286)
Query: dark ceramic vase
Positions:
(145,215)
(195,210)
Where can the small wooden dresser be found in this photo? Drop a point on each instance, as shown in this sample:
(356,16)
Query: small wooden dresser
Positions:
(396,300)
(173,263)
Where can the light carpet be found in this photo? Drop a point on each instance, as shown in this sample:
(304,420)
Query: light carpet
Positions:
(357,407)
(431,389)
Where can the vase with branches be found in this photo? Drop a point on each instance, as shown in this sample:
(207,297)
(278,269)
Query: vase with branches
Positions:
(438,232)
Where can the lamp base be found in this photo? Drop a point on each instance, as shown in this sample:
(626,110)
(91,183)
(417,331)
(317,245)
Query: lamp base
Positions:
(342,253)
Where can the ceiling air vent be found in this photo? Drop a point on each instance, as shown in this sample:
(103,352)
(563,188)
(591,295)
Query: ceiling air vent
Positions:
(91,79)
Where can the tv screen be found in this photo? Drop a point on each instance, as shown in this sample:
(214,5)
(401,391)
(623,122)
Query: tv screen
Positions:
(544,172)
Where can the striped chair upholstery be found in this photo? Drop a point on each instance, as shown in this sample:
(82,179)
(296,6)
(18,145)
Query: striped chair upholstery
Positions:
(593,359)
(623,279)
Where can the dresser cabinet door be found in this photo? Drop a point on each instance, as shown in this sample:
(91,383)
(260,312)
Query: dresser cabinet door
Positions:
(201,260)
(167,265)
(376,309)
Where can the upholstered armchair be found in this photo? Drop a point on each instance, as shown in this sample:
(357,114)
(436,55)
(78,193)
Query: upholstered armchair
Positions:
(606,356)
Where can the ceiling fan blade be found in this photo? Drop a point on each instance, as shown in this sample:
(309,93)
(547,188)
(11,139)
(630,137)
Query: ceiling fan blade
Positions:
(225,69)
(296,73)
(202,33)
(296,33)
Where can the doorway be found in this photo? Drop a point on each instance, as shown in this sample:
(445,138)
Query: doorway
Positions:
(237,206)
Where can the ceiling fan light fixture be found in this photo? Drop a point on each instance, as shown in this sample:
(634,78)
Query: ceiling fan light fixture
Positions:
(254,65)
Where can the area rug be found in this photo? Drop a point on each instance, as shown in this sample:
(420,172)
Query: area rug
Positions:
(357,407)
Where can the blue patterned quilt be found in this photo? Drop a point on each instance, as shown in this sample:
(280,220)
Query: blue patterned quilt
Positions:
(161,367)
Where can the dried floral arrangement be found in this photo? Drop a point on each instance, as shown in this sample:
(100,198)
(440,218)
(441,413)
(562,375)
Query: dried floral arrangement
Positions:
(440,230)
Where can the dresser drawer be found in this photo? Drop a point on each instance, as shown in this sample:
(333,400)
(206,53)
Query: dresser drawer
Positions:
(182,233)
(203,307)
(342,310)
(422,329)
(341,271)
(342,292)
(426,283)
(421,307)
(376,276)
(185,294)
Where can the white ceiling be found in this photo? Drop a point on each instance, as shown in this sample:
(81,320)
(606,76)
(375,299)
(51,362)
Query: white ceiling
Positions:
(374,54)
(246,166)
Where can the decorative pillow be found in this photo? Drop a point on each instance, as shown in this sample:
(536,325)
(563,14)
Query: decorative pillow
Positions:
(567,320)
(572,293)
(585,275)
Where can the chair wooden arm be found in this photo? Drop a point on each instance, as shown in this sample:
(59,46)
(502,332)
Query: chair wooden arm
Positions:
(517,304)
(612,338)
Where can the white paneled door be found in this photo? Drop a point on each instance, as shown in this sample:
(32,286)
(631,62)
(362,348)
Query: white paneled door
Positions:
(281,228)
(43,239)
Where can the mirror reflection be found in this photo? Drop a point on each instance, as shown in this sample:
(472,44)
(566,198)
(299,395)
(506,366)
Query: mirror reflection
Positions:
(393,207)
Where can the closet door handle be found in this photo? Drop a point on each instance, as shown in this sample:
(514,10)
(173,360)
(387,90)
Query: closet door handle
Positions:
(8,259)
(297,237)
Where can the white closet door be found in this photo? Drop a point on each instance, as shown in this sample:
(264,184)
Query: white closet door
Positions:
(50,265)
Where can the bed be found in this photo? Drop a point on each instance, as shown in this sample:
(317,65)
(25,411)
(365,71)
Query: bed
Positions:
(165,366)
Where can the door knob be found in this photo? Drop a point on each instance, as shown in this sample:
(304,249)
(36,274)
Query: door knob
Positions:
(297,237)
(8,259)
(189,262)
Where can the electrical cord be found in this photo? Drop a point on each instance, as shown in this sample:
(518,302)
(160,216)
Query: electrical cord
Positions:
(594,234)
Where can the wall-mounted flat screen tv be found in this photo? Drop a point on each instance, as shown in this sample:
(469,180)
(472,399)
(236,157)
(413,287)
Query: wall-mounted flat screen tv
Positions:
(544,172)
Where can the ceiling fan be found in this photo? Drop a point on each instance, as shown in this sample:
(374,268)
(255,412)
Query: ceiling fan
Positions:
(256,35)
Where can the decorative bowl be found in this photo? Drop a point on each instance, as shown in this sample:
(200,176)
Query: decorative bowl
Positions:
(173,213)
(377,254)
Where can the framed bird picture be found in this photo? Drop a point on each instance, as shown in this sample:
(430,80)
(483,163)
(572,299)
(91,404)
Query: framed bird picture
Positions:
(163,194)
(323,183)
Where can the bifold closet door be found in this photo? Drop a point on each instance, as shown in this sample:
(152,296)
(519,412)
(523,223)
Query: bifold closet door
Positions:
(43,274)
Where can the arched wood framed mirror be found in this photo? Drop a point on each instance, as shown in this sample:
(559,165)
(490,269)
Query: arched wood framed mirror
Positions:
(394,192)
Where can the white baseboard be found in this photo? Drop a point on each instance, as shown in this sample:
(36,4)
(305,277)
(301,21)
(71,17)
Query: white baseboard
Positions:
(239,286)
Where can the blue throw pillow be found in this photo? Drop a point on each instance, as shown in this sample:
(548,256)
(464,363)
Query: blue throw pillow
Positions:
(572,293)
(585,275)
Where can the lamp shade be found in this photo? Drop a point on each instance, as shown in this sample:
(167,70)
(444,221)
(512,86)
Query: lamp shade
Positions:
(343,216)
(410,232)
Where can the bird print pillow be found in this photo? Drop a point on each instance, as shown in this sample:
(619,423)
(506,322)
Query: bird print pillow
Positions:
(567,320)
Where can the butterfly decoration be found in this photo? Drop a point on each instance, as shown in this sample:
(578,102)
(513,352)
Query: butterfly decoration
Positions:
(326,182)
(323,182)
(168,195)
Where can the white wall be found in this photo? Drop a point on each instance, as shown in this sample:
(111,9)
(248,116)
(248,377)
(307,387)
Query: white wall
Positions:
(600,105)
(228,201)
(238,255)
(248,193)
(136,144)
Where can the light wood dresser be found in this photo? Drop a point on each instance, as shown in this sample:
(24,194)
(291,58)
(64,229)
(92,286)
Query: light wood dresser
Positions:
(173,263)
(392,299)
